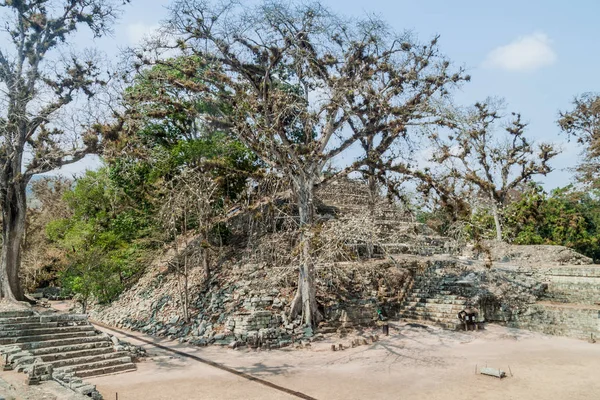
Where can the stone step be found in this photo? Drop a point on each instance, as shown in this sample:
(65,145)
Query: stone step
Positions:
(43,318)
(435,288)
(446,325)
(422,304)
(433,281)
(17,320)
(70,353)
(64,342)
(440,306)
(432,314)
(432,318)
(15,314)
(46,338)
(101,342)
(70,318)
(28,325)
(90,359)
(95,365)
(429,304)
(37,332)
(434,300)
(443,310)
(106,370)
(434,291)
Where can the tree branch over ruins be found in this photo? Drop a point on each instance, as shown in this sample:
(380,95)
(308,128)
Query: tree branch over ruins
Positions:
(37,86)
(303,86)
(583,124)
(492,163)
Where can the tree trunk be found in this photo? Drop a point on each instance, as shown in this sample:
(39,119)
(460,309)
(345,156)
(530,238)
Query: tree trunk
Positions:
(206,264)
(186,295)
(498,226)
(84,305)
(305,299)
(497,223)
(14,207)
(372,200)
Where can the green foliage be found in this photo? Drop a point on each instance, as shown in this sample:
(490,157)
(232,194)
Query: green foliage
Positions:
(228,161)
(114,212)
(167,133)
(102,239)
(481,225)
(566,217)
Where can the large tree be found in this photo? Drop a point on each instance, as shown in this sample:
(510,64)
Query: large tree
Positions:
(294,76)
(38,81)
(492,161)
(583,123)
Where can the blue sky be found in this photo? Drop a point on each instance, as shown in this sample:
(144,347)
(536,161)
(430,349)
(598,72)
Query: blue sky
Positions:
(535,54)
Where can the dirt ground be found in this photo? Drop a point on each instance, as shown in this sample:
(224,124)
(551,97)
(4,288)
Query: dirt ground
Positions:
(413,362)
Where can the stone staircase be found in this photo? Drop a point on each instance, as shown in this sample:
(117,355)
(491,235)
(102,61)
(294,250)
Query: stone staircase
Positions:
(430,301)
(67,343)
(569,306)
(397,232)
(421,245)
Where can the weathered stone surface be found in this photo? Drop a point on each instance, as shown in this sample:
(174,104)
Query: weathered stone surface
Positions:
(59,347)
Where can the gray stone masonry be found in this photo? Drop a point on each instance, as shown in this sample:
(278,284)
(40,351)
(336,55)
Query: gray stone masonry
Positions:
(62,347)
(556,300)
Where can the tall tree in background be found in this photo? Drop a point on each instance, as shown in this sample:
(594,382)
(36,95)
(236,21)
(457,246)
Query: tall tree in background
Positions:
(491,162)
(37,84)
(583,123)
(293,76)
(162,130)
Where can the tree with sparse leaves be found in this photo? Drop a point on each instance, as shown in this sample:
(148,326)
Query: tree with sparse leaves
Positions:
(583,123)
(36,85)
(190,196)
(492,163)
(300,85)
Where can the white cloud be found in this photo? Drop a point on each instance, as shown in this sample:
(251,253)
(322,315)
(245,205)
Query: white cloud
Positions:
(527,53)
(138,31)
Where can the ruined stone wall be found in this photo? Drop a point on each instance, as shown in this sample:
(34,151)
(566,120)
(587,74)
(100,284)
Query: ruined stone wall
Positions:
(561,320)
(565,300)
(574,284)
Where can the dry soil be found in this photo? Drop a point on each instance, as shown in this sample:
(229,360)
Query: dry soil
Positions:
(412,363)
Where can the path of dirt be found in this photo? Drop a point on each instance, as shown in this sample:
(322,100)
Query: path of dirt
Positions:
(413,362)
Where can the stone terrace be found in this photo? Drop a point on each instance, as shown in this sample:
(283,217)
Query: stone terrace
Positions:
(63,347)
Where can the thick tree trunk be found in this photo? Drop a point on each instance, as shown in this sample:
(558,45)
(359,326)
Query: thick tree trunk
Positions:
(305,299)
(372,200)
(497,222)
(498,225)
(14,207)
